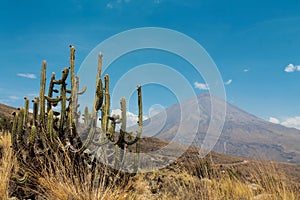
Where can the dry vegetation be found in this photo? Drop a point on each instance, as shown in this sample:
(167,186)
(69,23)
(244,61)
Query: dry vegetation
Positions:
(6,164)
(186,179)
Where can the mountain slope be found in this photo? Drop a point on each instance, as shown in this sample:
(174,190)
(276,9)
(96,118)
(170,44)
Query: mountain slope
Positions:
(243,134)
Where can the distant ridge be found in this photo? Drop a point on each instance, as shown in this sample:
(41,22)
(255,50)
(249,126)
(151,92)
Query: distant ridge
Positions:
(6,111)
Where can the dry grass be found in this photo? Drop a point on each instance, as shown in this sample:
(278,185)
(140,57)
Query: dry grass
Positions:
(6,164)
(60,180)
(186,186)
(63,183)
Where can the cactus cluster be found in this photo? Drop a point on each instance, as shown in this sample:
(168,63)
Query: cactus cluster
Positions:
(46,131)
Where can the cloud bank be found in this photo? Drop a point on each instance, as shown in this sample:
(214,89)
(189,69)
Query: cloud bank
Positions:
(292,122)
(292,68)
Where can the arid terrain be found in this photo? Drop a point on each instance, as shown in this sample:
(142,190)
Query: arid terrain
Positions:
(217,176)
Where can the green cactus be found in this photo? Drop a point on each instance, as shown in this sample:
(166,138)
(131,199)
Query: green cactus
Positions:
(42,93)
(14,131)
(26,111)
(106,107)
(50,129)
(32,137)
(50,132)
(122,141)
(50,92)
(20,129)
(99,94)
(74,91)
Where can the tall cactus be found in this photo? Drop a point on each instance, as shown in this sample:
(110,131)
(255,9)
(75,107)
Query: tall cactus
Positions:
(42,93)
(14,131)
(74,90)
(26,110)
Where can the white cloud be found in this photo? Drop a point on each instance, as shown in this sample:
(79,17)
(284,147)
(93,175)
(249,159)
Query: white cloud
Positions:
(201,86)
(31,76)
(292,122)
(292,68)
(13,97)
(132,118)
(246,70)
(228,82)
(274,120)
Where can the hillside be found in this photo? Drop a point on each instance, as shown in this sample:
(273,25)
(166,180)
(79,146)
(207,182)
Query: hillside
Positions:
(243,134)
(6,111)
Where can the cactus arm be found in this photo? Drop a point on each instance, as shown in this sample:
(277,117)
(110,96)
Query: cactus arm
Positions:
(87,141)
(50,92)
(53,100)
(83,90)
(65,73)
(99,94)
(63,96)
(106,107)
(68,91)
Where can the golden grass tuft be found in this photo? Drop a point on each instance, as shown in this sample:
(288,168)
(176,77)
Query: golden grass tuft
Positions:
(6,164)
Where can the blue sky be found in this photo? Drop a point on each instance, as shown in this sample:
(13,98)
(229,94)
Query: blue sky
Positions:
(252,42)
